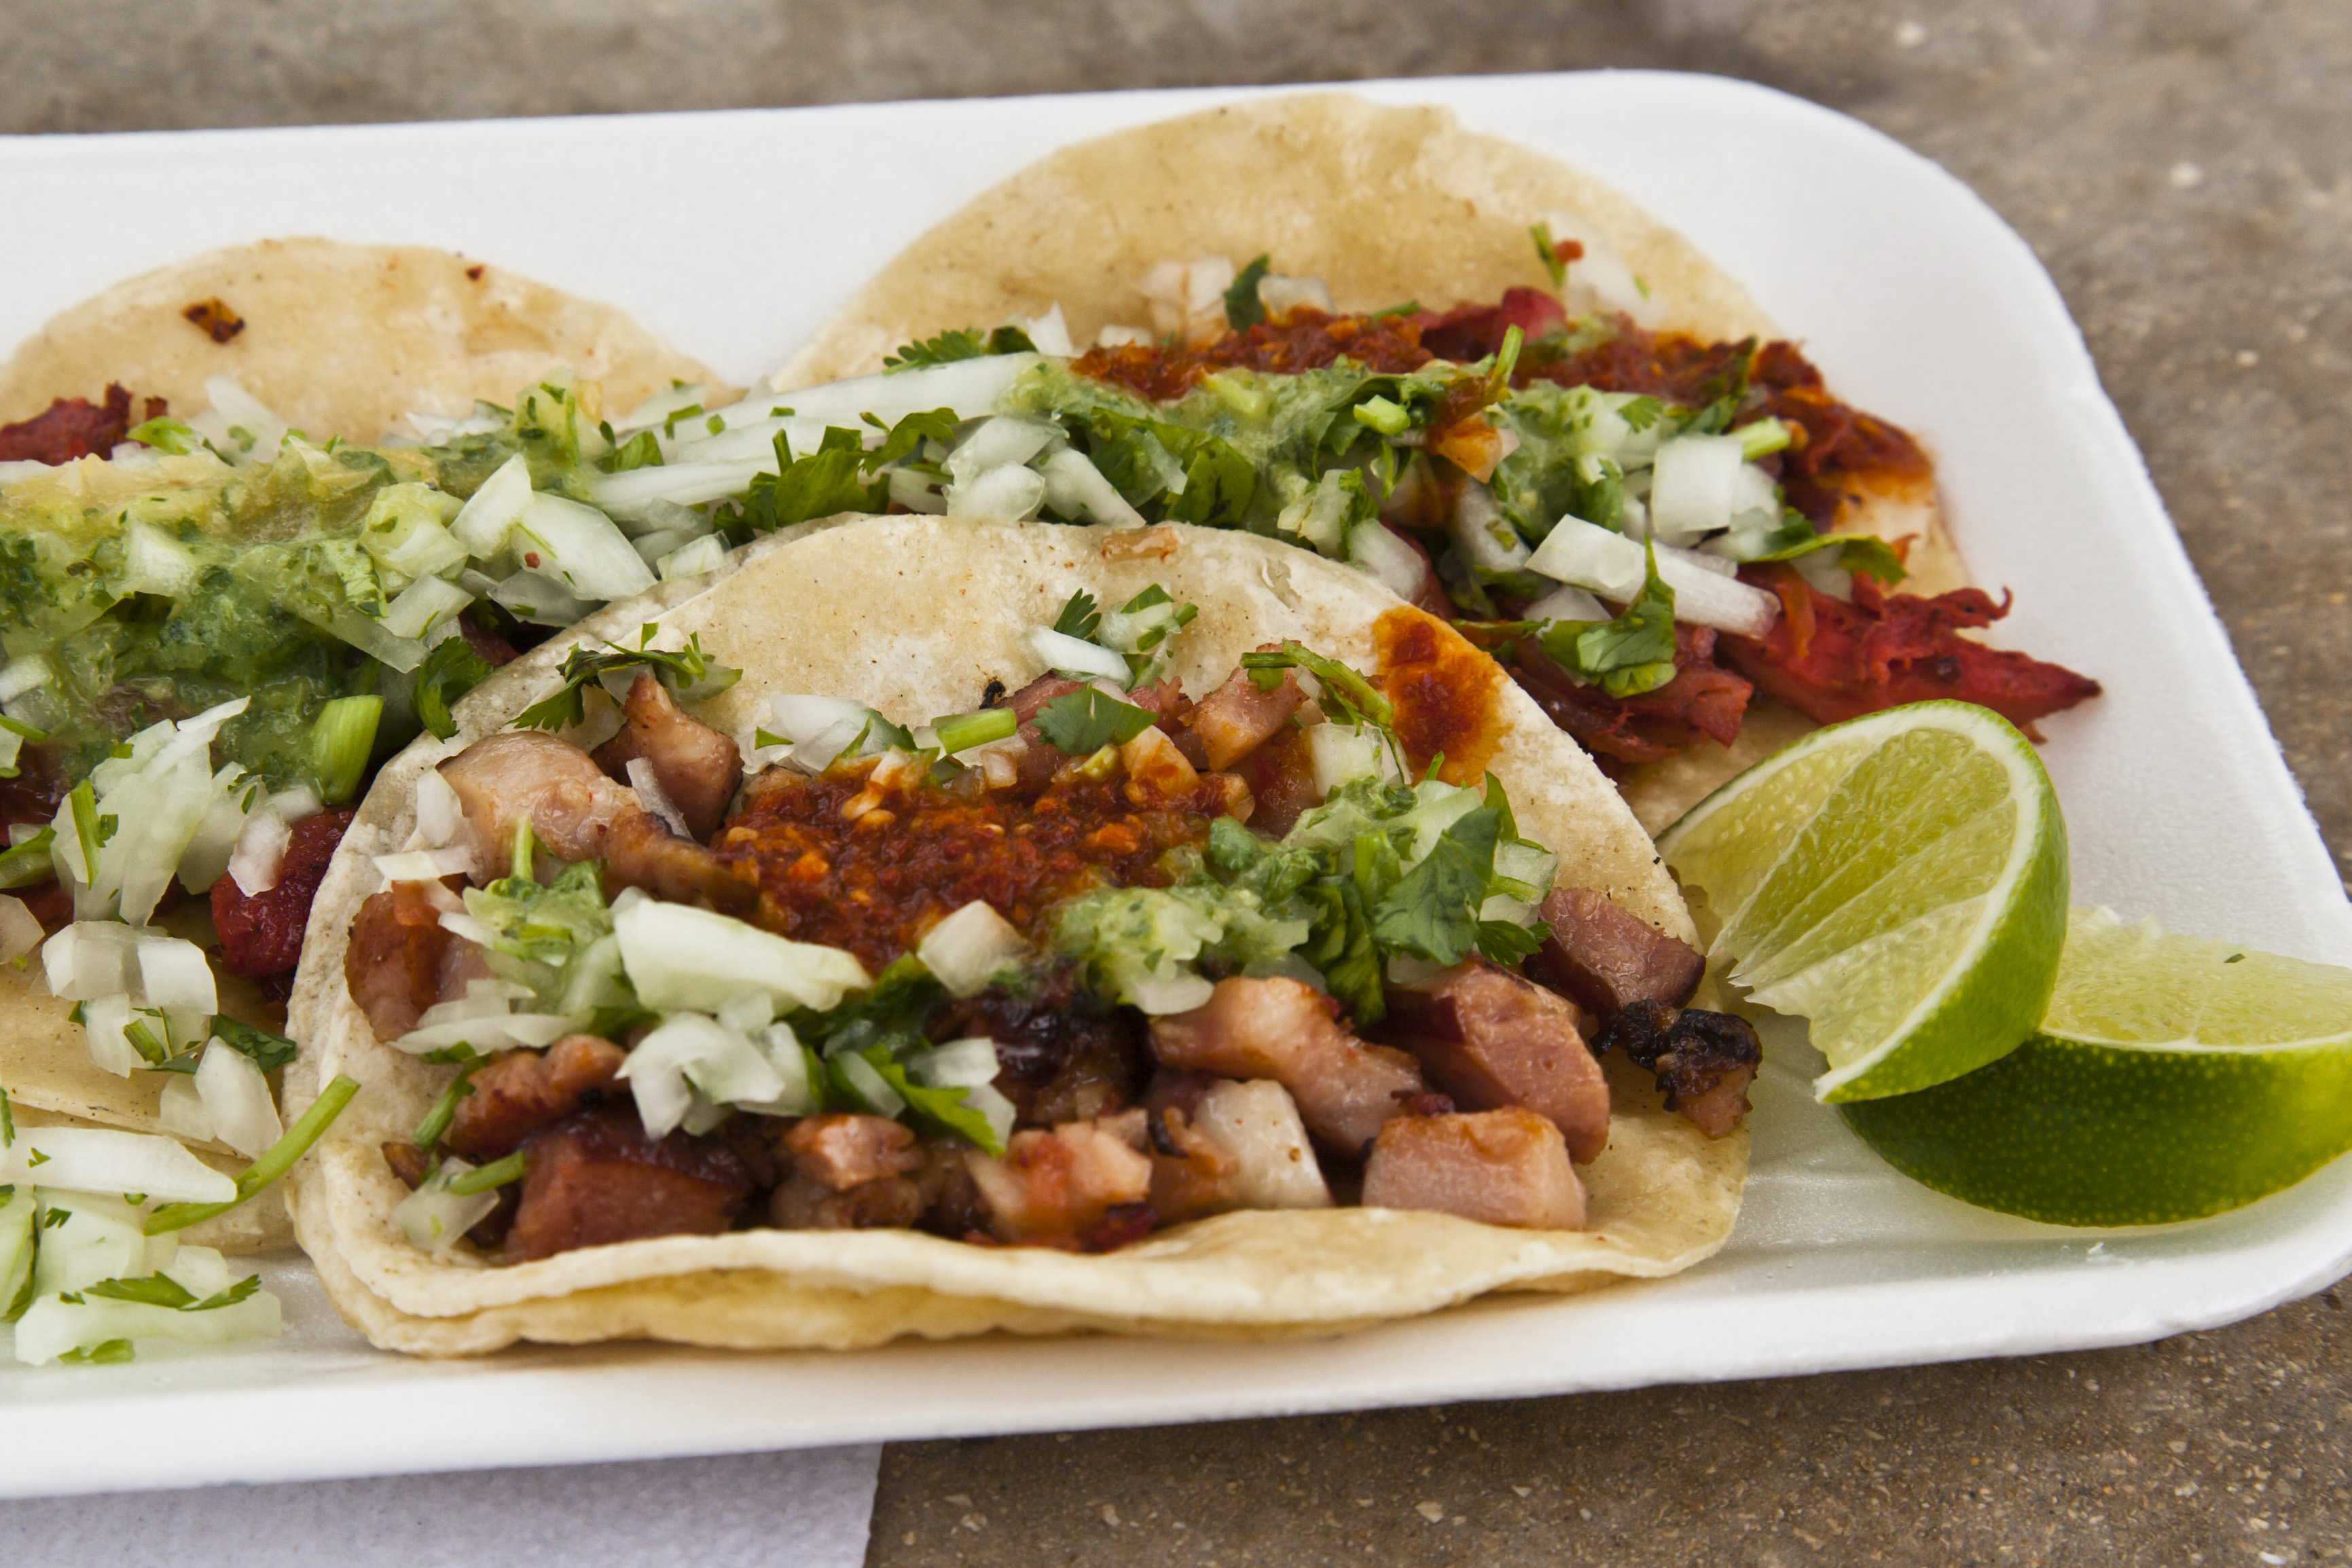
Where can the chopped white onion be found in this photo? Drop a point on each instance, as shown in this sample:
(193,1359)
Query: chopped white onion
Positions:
(482,524)
(439,816)
(1489,541)
(423,606)
(1115,336)
(631,494)
(297,803)
(105,1023)
(999,495)
(23,675)
(496,1032)
(678,957)
(1602,273)
(1377,552)
(970,387)
(89,1237)
(541,600)
(91,958)
(432,1218)
(260,853)
(1338,752)
(52,1326)
(966,949)
(655,798)
(181,1109)
(154,562)
(689,1051)
(872,1088)
(1613,566)
(1178,992)
(1566,603)
(957,1064)
(102,1160)
(1051,334)
(1073,656)
(1820,567)
(694,559)
(659,408)
(236,1097)
(233,408)
(1692,486)
(1075,489)
(579,547)
(20,932)
(174,974)
(1281,295)
(205,859)
(1006,441)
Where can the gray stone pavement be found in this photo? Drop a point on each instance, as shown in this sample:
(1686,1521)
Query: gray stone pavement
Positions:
(2184,169)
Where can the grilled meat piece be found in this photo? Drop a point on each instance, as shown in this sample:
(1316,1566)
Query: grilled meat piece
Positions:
(524,1091)
(1063,1054)
(594,1178)
(1704,1061)
(1602,958)
(1500,1167)
(1490,1039)
(262,935)
(840,1151)
(1237,718)
(698,768)
(1283,1030)
(1058,1188)
(397,957)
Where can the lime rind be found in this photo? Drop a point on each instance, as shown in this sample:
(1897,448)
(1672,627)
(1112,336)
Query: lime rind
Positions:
(1814,865)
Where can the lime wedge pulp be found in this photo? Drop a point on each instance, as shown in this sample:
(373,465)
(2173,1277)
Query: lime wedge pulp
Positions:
(1898,880)
(2175,1077)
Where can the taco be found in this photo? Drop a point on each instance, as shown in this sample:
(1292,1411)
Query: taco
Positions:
(286,430)
(1049,929)
(1396,255)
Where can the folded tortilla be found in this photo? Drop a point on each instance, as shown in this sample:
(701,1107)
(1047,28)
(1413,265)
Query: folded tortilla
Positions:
(915,615)
(1384,204)
(341,339)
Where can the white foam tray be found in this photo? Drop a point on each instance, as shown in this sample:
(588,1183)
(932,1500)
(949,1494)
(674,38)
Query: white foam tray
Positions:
(737,234)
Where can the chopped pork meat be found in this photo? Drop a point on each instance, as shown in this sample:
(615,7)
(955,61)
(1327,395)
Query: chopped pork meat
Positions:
(842,1150)
(1602,958)
(1157,773)
(524,1091)
(579,814)
(1281,778)
(1284,1029)
(398,952)
(594,1178)
(1490,1039)
(1063,1188)
(1063,1053)
(1499,1168)
(698,768)
(261,934)
(1704,1061)
(1191,1173)
(1237,718)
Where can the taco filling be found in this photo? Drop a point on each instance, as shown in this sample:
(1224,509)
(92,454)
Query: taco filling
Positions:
(1090,959)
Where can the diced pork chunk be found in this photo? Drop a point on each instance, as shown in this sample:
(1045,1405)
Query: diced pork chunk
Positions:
(1191,1173)
(1280,775)
(1704,1061)
(1602,958)
(1500,1167)
(1064,1187)
(579,814)
(1237,718)
(1258,1124)
(696,766)
(1490,1039)
(1157,773)
(524,1091)
(395,961)
(261,934)
(1283,1030)
(803,1203)
(1025,702)
(841,1150)
(594,1178)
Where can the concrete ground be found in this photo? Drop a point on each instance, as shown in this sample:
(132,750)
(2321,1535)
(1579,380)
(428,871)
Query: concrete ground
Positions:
(2184,167)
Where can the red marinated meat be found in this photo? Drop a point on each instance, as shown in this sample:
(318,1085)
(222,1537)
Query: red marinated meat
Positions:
(262,935)
(1237,717)
(1833,440)
(1281,778)
(524,1091)
(1471,332)
(1490,1039)
(1703,701)
(594,1178)
(1844,660)
(394,964)
(696,766)
(73,427)
(1283,1030)
(1604,959)
(1499,1168)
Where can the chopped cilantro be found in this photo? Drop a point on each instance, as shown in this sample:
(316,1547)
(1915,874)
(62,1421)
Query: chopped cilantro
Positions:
(450,670)
(1079,618)
(150,1290)
(1343,688)
(269,1051)
(1627,656)
(827,481)
(1082,722)
(7,1122)
(29,861)
(1433,911)
(642,450)
(112,1353)
(688,673)
(1243,308)
(965,343)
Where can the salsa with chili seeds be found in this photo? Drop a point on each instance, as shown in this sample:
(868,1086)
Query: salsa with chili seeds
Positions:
(1304,340)
(874,885)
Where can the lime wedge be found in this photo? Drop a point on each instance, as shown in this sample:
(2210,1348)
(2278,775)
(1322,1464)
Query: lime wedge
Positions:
(1898,880)
(2175,1077)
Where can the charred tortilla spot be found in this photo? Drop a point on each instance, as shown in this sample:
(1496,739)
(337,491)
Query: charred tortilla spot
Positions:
(475,272)
(1445,693)
(214,320)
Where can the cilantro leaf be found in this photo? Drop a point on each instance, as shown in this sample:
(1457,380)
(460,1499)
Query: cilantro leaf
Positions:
(687,672)
(450,670)
(1242,306)
(7,1122)
(642,450)
(1434,911)
(112,1353)
(151,1291)
(1079,618)
(268,1051)
(827,481)
(230,1297)
(1355,697)
(944,1109)
(965,343)
(1865,553)
(902,439)
(1627,656)
(1506,942)
(1082,722)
